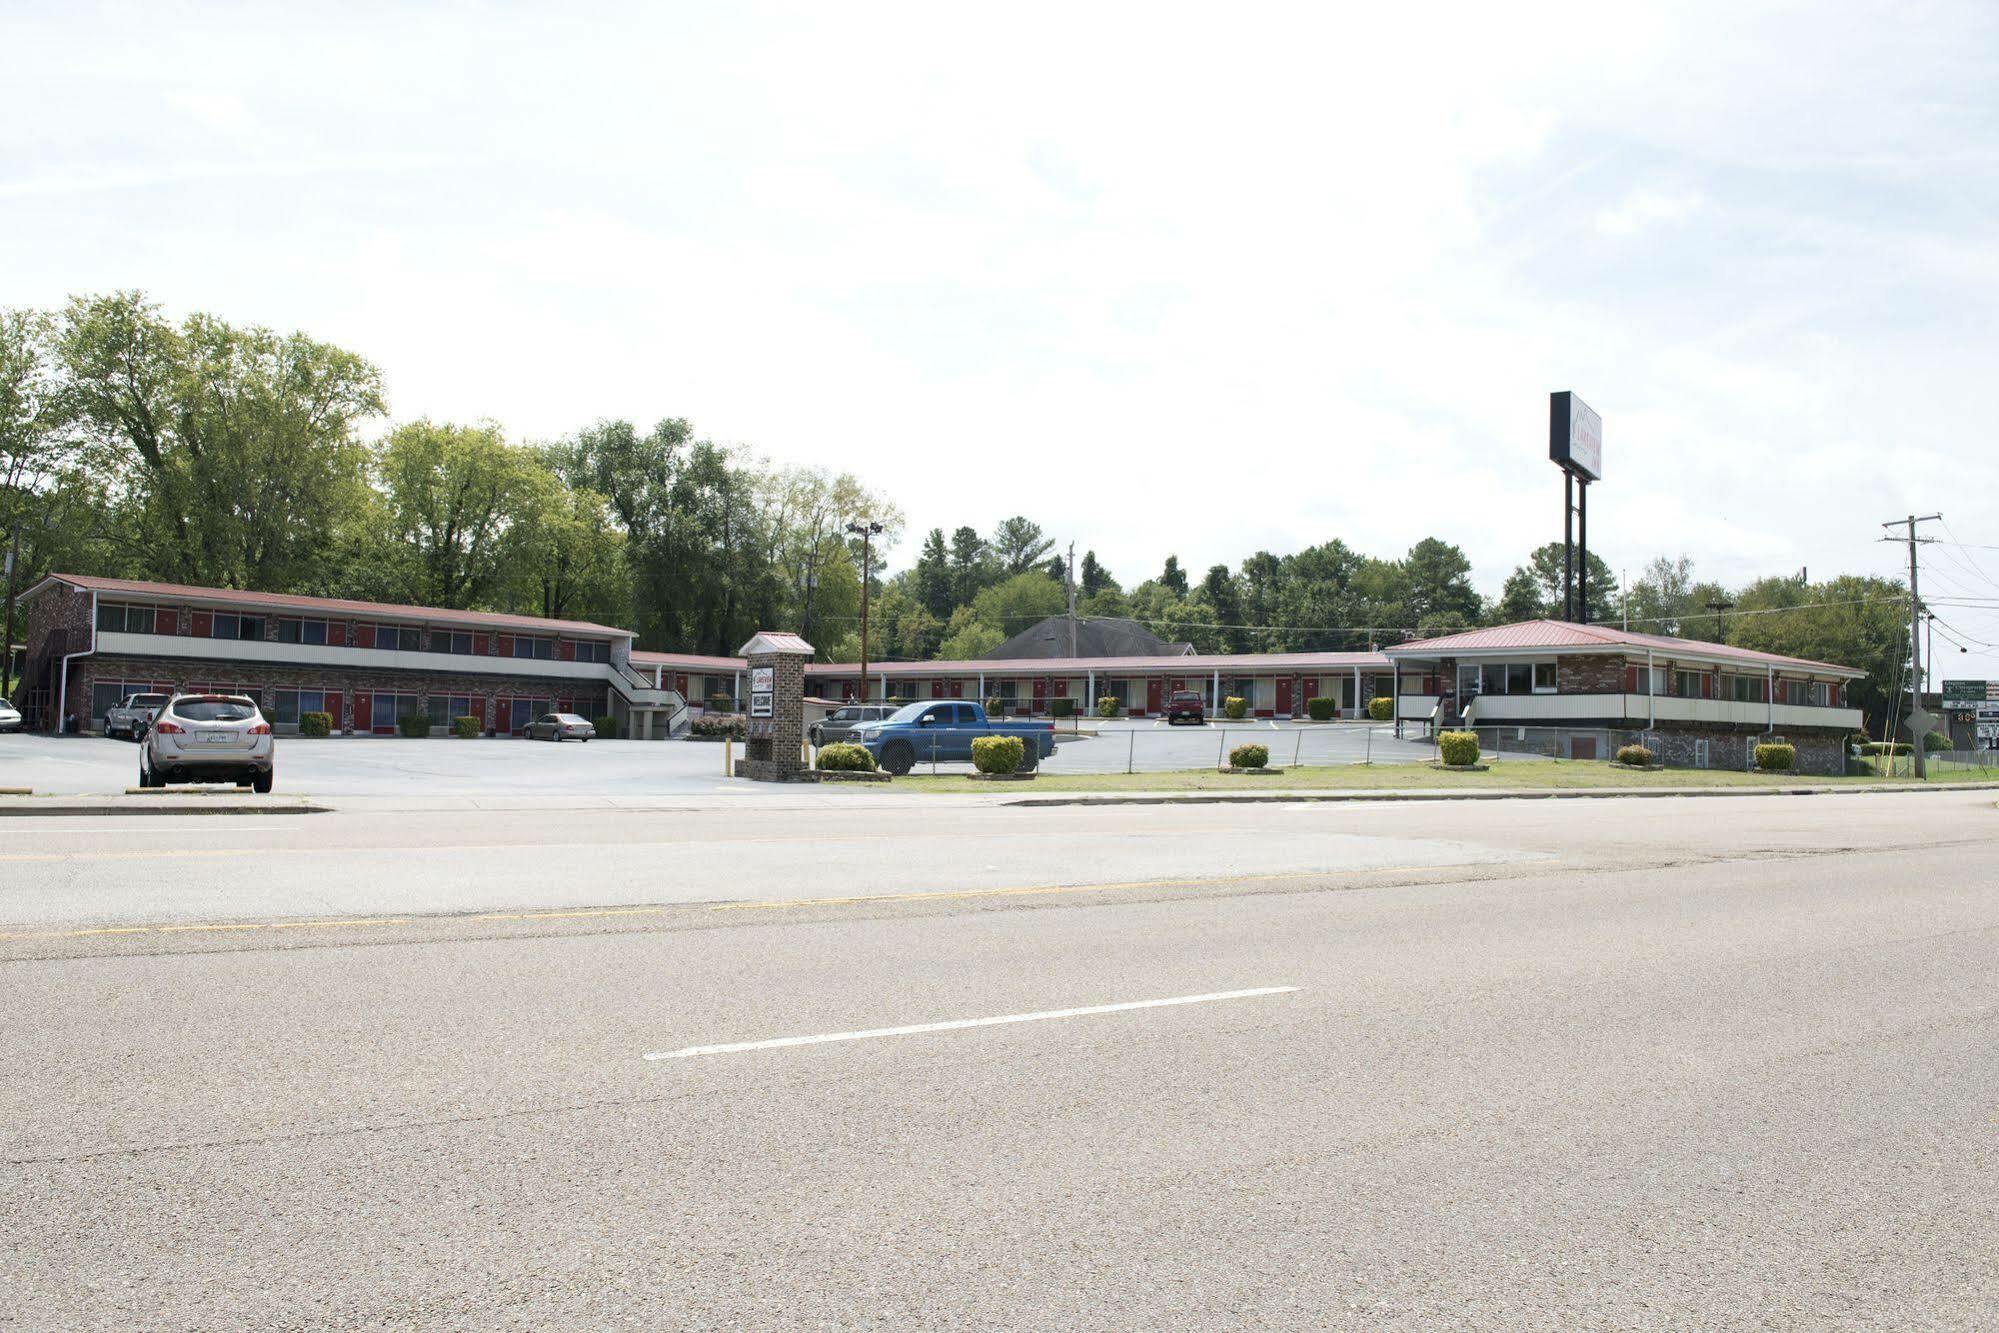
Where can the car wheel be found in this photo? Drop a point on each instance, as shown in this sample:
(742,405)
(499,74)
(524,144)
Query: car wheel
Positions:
(146,778)
(262,782)
(898,758)
(1030,759)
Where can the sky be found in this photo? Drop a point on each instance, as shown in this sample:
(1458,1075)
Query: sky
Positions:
(1201,280)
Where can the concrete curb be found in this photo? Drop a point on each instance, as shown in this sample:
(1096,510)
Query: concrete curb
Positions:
(1498,794)
(45,806)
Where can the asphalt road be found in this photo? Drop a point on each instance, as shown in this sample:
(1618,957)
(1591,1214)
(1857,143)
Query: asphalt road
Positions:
(1660,1063)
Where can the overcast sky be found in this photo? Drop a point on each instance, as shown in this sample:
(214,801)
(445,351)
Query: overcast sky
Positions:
(1196,280)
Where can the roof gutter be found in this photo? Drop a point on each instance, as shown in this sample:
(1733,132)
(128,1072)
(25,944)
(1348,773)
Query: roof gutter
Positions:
(62,684)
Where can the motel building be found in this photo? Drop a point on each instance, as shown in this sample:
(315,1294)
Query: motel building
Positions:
(1579,691)
(92,641)
(1541,686)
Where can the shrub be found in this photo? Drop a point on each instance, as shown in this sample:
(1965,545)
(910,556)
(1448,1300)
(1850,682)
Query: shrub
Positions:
(1776,758)
(1249,756)
(1108,706)
(1322,709)
(315,724)
(721,703)
(1886,747)
(1062,707)
(998,754)
(1934,741)
(414,725)
(465,728)
(995,707)
(718,725)
(846,757)
(1636,755)
(1235,708)
(1381,710)
(606,727)
(1459,748)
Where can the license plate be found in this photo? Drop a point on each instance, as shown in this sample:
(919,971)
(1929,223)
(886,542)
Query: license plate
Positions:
(215,737)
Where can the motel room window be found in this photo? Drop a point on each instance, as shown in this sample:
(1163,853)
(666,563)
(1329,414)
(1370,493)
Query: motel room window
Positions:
(1687,684)
(116,618)
(1468,680)
(1547,677)
(224,626)
(389,707)
(446,641)
(1519,677)
(444,707)
(587,651)
(1652,681)
(389,638)
(530,646)
(289,704)
(1748,689)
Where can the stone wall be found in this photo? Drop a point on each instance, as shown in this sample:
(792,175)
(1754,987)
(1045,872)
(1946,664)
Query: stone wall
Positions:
(1591,674)
(777,755)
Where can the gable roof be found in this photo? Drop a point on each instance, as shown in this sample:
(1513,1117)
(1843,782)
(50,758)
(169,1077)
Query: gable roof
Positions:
(341,606)
(776,641)
(1096,636)
(1540,634)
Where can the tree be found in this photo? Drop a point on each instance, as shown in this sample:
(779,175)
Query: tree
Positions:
(933,575)
(972,566)
(1173,578)
(1219,590)
(234,448)
(1661,595)
(1439,589)
(1019,545)
(1544,567)
(565,555)
(967,637)
(1092,578)
(1523,598)
(1853,620)
(452,496)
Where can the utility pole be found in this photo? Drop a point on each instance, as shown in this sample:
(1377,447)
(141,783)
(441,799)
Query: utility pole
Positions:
(867,533)
(1721,606)
(1915,634)
(1071,580)
(13,559)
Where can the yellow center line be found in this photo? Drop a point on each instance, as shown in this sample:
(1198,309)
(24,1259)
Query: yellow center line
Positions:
(1021,890)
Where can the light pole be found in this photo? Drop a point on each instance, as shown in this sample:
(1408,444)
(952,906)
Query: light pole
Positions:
(1721,606)
(867,532)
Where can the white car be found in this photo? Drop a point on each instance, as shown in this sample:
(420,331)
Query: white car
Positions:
(208,738)
(10,717)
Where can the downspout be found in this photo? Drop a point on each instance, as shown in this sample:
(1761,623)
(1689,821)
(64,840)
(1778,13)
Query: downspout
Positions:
(1360,704)
(1215,692)
(62,685)
(1651,695)
(1770,700)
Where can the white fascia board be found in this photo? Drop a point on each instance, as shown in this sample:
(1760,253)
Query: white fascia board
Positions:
(1661,657)
(248,651)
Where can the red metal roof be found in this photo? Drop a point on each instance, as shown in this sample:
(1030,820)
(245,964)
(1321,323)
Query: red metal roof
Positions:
(1539,634)
(284,601)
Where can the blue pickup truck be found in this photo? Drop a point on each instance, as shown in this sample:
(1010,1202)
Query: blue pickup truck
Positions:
(944,729)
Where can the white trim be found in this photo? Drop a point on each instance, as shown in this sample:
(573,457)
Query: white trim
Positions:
(1689,651)
(183,647)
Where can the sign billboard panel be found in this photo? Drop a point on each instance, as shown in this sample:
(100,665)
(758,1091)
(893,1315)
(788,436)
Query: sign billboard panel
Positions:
(760,705)
(1970,691)
(1575,436)
(763,679)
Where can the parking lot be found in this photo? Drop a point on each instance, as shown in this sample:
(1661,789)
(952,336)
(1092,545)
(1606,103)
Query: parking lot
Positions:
(439,766)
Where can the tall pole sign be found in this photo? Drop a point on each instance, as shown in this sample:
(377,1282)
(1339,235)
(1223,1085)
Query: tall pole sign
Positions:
(1575,444)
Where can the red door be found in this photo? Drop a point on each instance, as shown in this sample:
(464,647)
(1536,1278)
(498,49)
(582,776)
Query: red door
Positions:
(957,689)
(936,689)
(1040,695)
(364,712)
(680,685)
(1284,696)
(364,636)
(1153,695)
(1309,687)
(479,710)
(204,624)
(333,710)
(503,716)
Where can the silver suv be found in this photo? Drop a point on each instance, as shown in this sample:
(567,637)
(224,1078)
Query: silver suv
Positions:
(208,738)
(130,716)
(844,721)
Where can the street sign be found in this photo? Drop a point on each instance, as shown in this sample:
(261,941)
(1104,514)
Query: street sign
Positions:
(1921,722)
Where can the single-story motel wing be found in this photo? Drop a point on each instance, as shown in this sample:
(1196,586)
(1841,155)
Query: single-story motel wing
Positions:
(366,664)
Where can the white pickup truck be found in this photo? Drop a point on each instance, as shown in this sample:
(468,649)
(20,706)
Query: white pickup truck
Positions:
(130,716)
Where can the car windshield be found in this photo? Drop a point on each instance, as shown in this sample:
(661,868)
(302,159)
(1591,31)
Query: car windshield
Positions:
(909,712)
(215,710)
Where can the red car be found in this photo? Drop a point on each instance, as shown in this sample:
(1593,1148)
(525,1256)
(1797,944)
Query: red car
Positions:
(1185,706)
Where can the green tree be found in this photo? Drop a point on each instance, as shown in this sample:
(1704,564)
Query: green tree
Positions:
(967,637)
(1224,597)
(1092,578)
(1544,566)
(933,575)
(452,497)
(1523,598)
(1019,545)
(1853,620)
(1173,578)
(972,566)
(234,448)
(1439,591)
(1661,596)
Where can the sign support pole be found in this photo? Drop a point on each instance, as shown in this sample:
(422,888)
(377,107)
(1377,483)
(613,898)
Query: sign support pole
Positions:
(1568,544)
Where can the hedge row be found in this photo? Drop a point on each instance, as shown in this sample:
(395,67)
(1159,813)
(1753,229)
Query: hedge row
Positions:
(846,757)
(1459,748)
